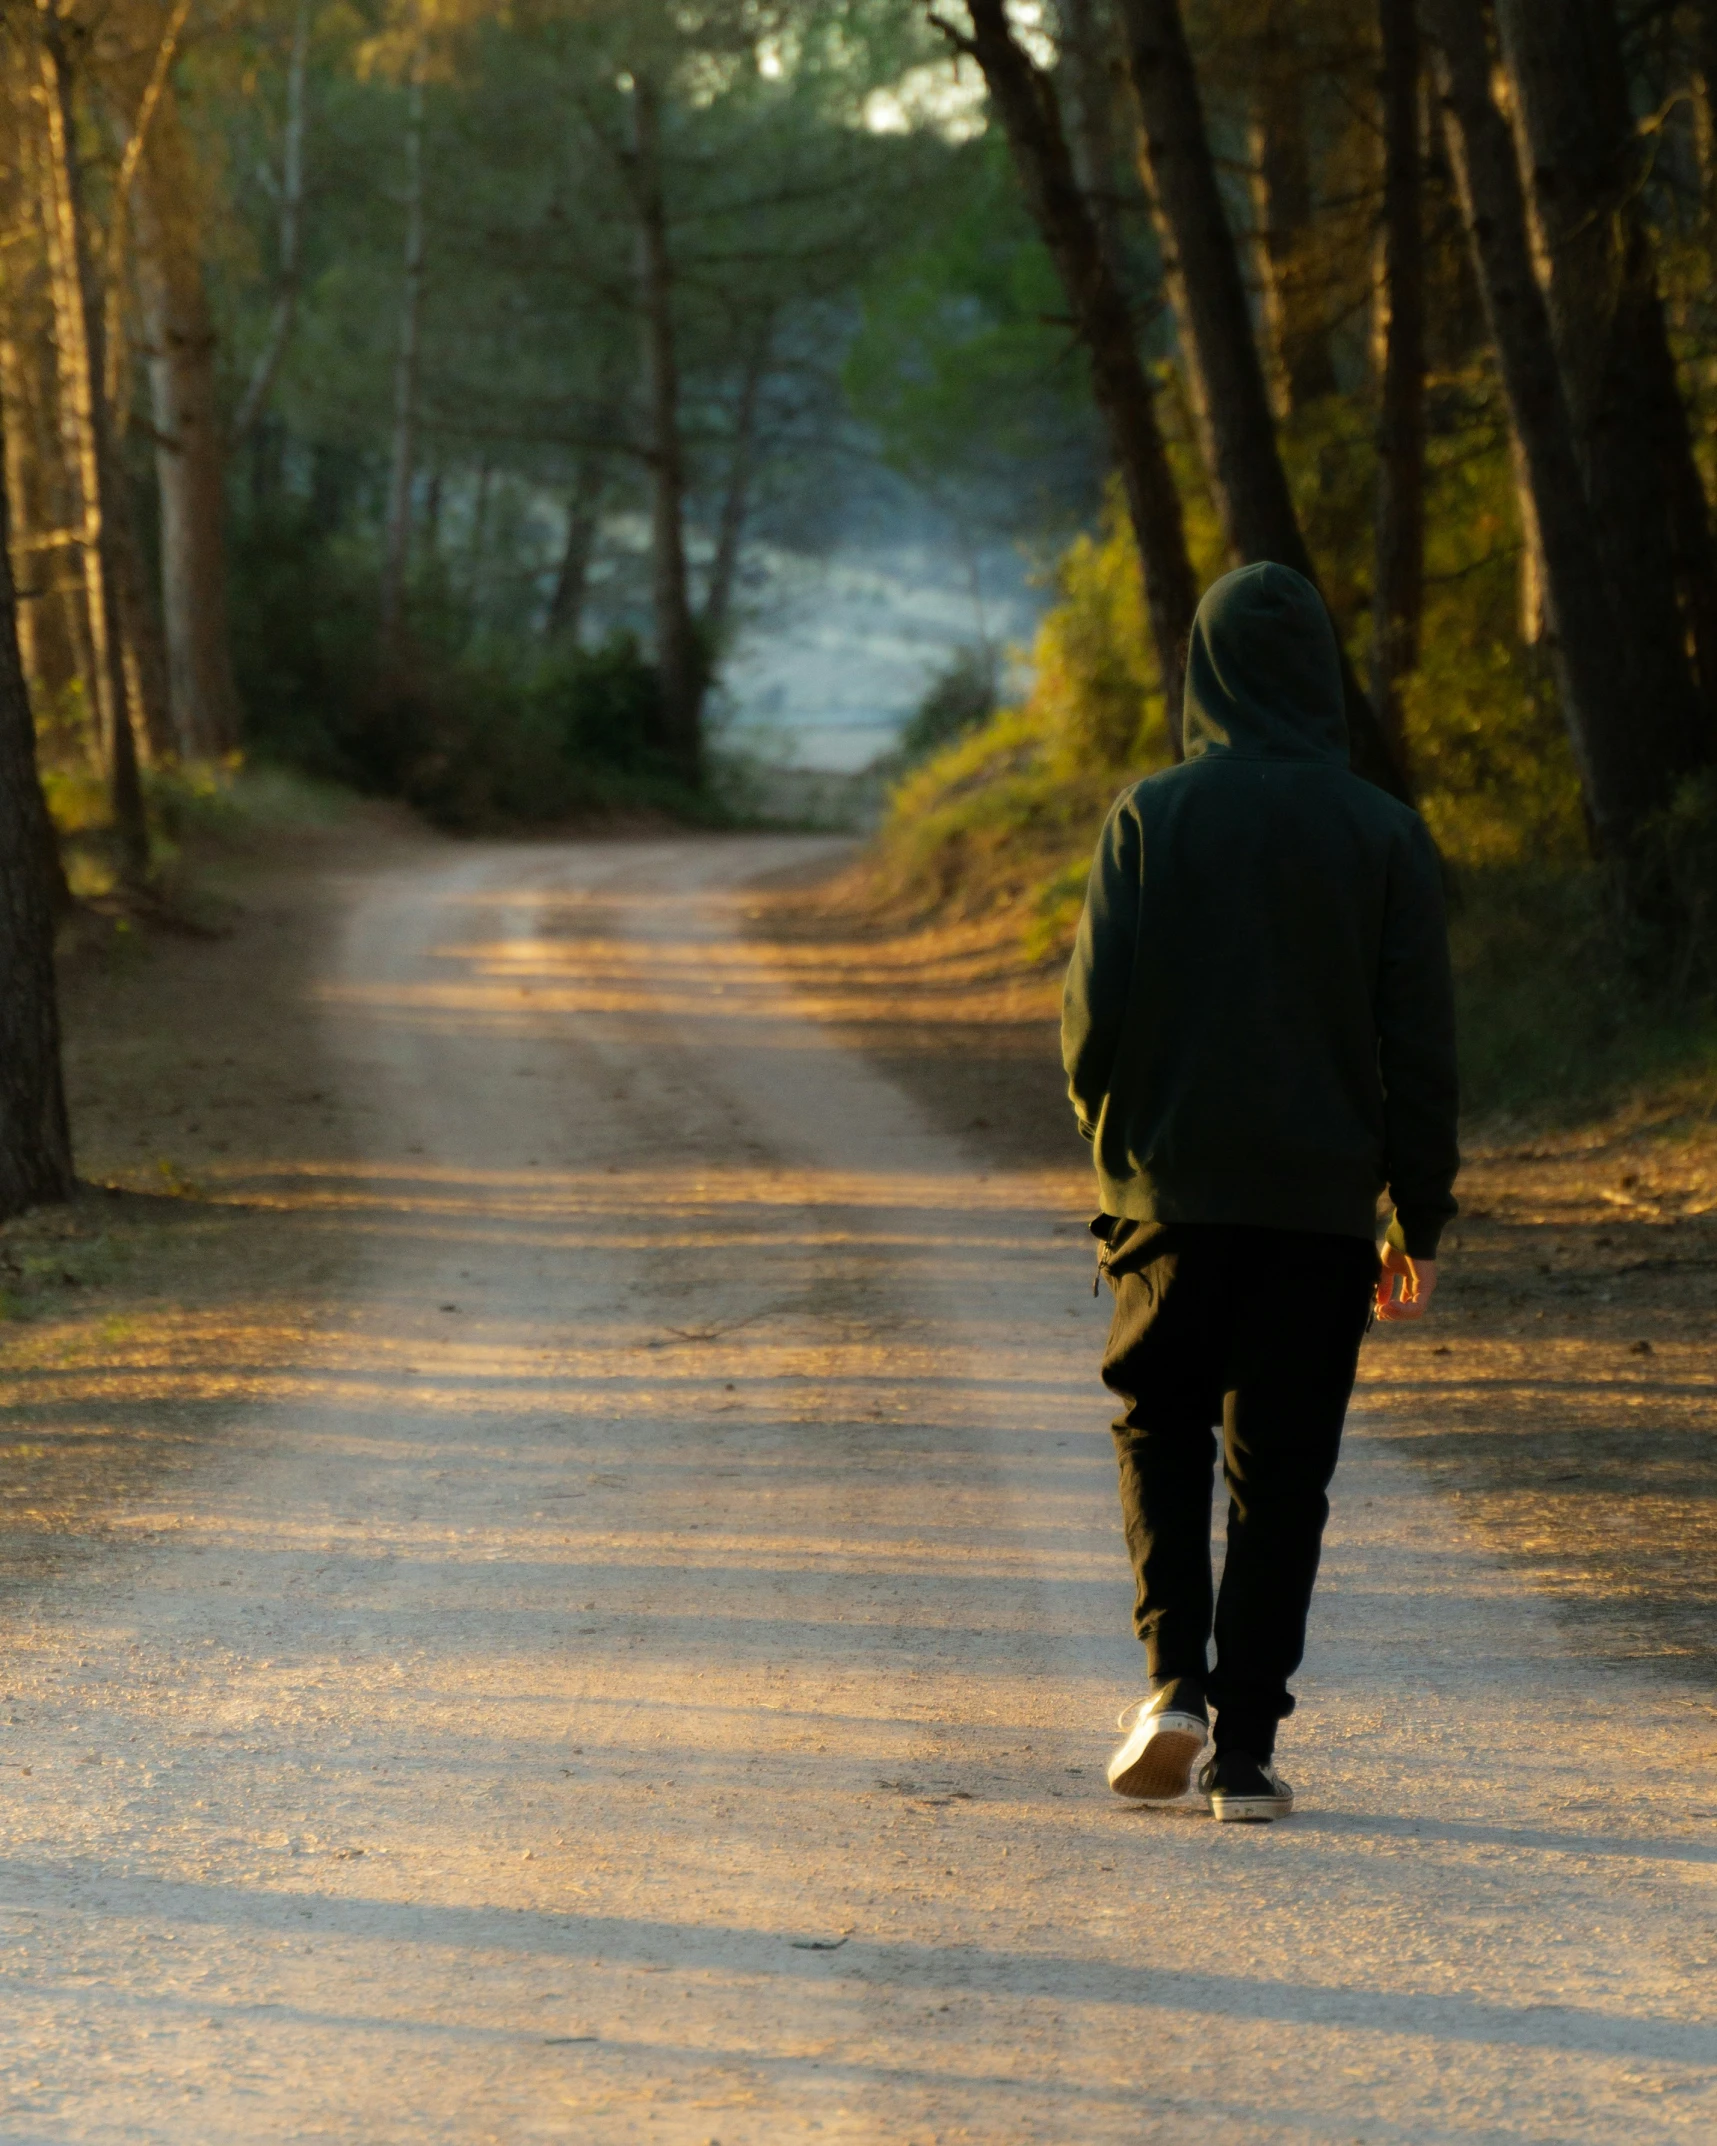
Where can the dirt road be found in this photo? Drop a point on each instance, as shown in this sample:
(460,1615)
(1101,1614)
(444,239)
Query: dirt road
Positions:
(650,1675)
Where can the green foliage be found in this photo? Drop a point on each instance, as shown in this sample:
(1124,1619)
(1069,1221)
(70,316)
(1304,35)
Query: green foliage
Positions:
(502,741)
(1496,776)
(304,616)
(960,365)
(779,202)
(960,697)
(1561,1008)
(476,730)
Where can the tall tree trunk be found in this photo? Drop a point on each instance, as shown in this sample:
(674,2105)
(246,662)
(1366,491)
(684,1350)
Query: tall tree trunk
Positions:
(1303,368)
(736,496)
(1086,38)
(148,693)
(1622,769)
(81,329)
(1399,579)
(190,452)
(288,271)
(679,657)
(1569,75)
(583,516)
(47,525)
(397,551)
(15,476)
(1226,377)
(43,440)
(1025,101)
(35,1144)
(432,515)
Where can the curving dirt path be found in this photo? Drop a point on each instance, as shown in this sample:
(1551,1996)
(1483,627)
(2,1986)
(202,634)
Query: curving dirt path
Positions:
(649,1675)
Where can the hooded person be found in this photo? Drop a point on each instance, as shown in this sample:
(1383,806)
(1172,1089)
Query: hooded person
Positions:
(1258,1033)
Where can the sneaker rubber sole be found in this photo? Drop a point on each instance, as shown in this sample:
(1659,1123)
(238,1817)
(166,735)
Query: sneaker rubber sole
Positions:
(1162,1769)
(1249,1810)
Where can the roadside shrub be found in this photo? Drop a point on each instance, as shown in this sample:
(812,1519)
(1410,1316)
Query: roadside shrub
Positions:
(1560,1008)
(498,739)
(304,624)
(475,733)
(959,698)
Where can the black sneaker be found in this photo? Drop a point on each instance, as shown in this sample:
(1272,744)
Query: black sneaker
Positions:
(1169,1730)
(1245,1791)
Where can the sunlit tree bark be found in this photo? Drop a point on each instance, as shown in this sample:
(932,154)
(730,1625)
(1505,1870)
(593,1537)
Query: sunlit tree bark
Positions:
(1587,165)
(1622,762)
(80,325)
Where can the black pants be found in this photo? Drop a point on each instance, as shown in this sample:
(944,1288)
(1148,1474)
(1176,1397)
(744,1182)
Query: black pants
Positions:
(1257,1330)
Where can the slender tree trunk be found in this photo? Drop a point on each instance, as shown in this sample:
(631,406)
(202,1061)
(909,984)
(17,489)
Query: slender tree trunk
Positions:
(47,444)
(736,498)
(397,553)
(583,516)
(679,657)
(190,453)
(1302,367)
(1025,101)
(1399,579)
(148,692)
(1622,770)
(480,510)
(81,326)
(1569,76)
(1533,582)
(1226,376)
(35,1144)
(432,515)
(16,478)
(288,272)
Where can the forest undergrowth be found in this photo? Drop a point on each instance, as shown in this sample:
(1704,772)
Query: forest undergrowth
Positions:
(1567,1011)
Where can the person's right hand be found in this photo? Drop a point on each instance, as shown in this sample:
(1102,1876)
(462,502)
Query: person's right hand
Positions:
(1416,1280)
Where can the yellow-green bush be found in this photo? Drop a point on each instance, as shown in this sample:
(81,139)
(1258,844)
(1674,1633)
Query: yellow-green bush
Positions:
(1009,813)
(1007,817)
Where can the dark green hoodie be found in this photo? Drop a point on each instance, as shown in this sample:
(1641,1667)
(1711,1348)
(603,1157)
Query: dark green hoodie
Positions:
(1258,1024)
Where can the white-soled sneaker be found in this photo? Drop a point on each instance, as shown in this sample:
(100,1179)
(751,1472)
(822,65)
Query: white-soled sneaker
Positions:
(1245,1791)
(1166,1732)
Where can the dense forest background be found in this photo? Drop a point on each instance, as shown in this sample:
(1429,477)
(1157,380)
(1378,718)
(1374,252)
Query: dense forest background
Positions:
(406,391)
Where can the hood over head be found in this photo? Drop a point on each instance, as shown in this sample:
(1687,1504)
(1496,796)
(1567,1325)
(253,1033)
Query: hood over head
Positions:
(1263,671)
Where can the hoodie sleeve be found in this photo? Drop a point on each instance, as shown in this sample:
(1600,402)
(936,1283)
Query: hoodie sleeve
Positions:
(1099,978)
(1416,1050)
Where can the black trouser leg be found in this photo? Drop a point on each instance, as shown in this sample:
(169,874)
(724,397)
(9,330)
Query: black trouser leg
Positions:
(1293,1348)
(1162,1359)
(1261,1328)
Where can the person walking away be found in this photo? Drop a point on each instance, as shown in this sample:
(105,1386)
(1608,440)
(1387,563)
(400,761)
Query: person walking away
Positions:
(1258,1032)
